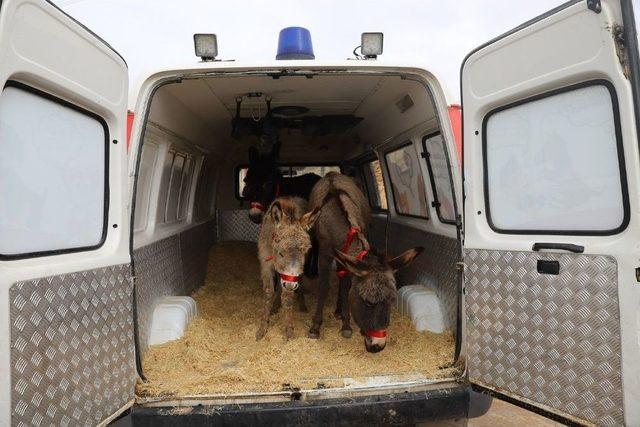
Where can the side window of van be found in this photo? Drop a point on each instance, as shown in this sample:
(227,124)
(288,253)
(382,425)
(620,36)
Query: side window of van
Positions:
(407,183)
(53,174)
(438,165)
(554,163)
(143,190)
(178,188)
(374,182)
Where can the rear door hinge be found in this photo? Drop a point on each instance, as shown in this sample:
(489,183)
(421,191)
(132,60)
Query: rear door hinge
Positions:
(594,5)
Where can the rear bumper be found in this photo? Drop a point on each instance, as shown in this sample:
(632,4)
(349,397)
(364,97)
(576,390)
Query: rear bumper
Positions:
(386,409)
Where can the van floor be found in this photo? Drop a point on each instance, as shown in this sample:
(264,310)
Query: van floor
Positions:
(219,352)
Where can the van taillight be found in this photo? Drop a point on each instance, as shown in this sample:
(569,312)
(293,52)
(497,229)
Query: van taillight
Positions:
(130,116)
(455,117)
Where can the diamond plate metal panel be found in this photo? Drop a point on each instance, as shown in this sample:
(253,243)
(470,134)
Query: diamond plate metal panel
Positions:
(236,225)
(554,340)
(435,267)
(158,271)
(194,251)
(72,349)
(176,265)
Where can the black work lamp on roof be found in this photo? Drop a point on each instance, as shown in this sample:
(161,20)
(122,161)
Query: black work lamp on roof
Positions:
(206,46)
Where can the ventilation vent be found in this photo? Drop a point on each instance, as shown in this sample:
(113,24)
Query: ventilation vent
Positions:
(404,104)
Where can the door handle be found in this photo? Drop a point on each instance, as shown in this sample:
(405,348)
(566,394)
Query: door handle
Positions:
(576,249)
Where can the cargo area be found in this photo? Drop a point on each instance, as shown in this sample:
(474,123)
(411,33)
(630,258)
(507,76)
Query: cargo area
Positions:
(219,353)
(193,236)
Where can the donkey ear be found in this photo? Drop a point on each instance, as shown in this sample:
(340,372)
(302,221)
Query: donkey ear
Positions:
(253,155)
(276,212)
(309,219)
(351,263)
(405,258)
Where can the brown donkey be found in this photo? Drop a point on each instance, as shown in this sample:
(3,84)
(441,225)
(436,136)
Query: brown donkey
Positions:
(282,247)
(340,231)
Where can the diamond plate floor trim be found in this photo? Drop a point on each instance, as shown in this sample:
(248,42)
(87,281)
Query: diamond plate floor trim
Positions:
(158,273)
(72,349)
(435,267)
(550,339)
(236,225)
(176,265)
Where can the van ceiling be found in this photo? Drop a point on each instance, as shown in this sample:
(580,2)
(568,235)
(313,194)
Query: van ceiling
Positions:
(211,104)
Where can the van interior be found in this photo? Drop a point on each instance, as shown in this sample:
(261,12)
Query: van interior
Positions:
(192,233)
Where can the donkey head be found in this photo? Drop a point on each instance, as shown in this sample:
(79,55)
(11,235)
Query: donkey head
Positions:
(261,181)
(291,240)
(373,292)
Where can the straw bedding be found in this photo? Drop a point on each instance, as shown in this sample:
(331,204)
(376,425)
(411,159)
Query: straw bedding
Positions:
(219,353)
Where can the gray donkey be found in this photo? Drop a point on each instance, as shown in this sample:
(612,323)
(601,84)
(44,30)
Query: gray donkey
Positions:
(283,244)
(340,232)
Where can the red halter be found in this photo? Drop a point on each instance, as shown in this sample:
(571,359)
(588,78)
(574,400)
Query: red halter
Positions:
(376,333)
(353,231)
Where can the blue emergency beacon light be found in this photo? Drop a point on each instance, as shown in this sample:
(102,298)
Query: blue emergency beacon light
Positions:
(295,43)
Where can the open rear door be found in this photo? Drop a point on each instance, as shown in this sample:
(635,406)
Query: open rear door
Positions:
(66,323)
(551,214)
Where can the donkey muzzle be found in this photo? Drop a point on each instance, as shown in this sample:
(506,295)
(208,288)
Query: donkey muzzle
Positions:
(289,283)
(256,212)
(375,340)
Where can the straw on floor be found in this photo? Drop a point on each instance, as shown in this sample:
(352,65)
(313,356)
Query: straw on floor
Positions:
(219,353)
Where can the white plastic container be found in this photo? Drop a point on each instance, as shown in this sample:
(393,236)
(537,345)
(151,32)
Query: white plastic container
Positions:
(423,307)
(171,318)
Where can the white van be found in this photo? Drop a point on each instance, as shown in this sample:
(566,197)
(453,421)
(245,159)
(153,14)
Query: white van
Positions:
(532,247)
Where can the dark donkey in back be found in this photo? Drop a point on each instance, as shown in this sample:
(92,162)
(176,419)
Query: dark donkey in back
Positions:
(264,182)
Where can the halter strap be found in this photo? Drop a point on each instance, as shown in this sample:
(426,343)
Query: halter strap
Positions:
(351,234)
(376,333)
(258,205)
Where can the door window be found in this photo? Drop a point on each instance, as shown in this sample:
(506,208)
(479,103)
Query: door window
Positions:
(440,173)
(554,164)
(53,174)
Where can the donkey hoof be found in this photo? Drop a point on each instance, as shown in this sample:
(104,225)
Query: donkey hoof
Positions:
(261,333)
(314,334)
(346,333)
(288,334)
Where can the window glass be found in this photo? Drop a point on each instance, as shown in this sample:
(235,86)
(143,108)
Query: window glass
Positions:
(407,183)
(318,170)
(143,188)
(52,175)
(440,174)
(375,185)
(185,189)
(175,182)
(552,164)
(288,171)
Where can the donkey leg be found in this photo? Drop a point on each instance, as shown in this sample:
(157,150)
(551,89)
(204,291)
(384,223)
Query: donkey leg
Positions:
(275,307)
(337,314)
(324,270)
(302,306)
(267,288)
(287,306)
(343,295)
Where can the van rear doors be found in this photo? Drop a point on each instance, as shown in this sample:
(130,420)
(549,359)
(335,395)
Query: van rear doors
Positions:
(551,213)
(66,323)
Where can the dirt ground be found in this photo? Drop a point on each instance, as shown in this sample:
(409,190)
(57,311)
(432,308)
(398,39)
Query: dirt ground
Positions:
(219,352)
(502,413)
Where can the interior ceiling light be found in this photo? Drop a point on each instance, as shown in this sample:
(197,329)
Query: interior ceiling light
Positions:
(289,110)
